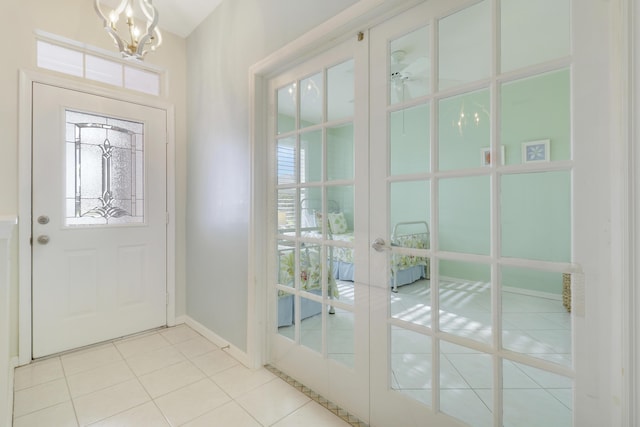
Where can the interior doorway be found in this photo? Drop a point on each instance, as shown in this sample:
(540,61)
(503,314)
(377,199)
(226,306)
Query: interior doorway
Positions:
(494,281)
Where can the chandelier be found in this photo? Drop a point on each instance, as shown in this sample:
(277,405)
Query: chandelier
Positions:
(132,42)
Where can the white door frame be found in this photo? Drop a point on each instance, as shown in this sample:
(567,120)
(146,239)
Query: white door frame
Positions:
(27,79)
(629,113)
(625,299)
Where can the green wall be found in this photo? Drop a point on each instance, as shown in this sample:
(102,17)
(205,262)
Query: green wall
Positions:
(535,208)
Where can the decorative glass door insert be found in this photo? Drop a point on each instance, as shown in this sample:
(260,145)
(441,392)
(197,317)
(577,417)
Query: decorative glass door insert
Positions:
(104,170)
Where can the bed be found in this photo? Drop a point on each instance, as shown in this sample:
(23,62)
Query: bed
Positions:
(405,269)
(310,281)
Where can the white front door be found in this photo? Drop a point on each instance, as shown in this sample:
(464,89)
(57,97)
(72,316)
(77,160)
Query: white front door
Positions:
(99,219)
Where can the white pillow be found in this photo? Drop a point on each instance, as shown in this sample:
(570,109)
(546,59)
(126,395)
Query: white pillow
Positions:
(337,223)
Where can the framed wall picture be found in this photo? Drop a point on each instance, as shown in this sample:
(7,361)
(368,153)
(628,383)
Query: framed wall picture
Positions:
(536,151)
(485,156)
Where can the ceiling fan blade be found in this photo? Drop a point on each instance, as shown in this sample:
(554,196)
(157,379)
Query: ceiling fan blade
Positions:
(418,68)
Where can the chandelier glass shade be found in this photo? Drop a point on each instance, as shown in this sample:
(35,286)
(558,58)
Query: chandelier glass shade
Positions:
(133,41)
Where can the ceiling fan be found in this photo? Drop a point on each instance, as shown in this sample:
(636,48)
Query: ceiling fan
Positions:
(407,76)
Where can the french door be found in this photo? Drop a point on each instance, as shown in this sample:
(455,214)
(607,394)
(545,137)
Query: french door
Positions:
(99,219)
(428,207)
(319,303)
(472,180)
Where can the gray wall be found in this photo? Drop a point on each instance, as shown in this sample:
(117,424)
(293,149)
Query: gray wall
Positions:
(220,51)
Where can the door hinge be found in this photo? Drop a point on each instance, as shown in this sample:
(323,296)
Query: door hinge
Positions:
(167,217)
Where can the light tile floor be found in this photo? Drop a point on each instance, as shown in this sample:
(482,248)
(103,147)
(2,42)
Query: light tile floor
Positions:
(171,377)
(533,326)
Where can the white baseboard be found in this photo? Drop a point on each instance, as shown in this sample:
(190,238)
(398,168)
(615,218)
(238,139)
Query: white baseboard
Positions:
(531,293)
(232,350)
(512,289)
(13,364)
(179,320)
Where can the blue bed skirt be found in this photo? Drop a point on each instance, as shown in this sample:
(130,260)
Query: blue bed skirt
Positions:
(344,271)
(341,271)
(308,308)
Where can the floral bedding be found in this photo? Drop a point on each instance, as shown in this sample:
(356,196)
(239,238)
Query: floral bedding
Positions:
(310,258)
(415,241)
(310,270)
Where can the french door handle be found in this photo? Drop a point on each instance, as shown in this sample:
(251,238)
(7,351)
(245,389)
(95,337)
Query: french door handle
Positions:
(380,245)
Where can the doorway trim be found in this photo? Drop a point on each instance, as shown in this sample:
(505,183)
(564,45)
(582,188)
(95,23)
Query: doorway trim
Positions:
(359,17)
(26,80)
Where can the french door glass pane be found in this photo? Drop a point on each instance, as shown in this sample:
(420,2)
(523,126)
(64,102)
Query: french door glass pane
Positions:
(311,156)
(464,373)
(535,212)
(409,140)
(535,320)
(340,210)
(340,337)
(311,268)
(465,39)
(411,364)
(410,66)
(527,390)
(411,302)
(464,215)
(340,91)
(524,41)
(409,202)
(340,153)
(409,269)
(285,314)
(286,160)
(311,212)
(311,100)
(465,299)
(311,324)
(287,211)
(342,271)
(464,130)
(287,108)
(286,263)
(535,118)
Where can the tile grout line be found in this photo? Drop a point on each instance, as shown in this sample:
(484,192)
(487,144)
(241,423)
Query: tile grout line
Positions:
(66,381)
(137,377)
(330,406)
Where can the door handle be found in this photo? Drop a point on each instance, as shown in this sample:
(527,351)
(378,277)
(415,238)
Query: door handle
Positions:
(380,245)
(43,240)
(43,219)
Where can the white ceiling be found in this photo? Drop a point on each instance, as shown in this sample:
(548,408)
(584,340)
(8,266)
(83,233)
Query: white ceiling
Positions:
(179,17)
